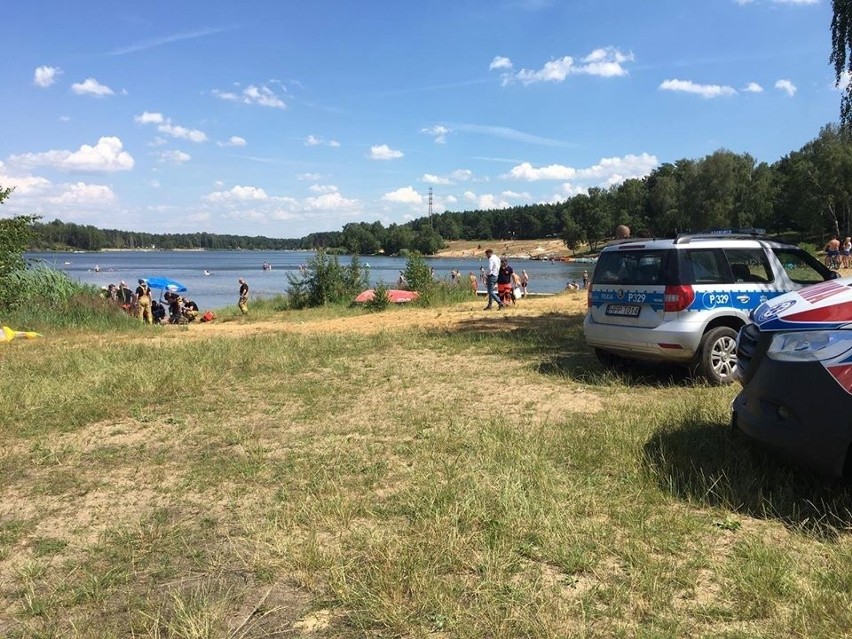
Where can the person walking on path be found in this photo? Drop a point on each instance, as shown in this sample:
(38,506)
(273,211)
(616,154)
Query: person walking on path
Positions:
(143,303)
(491,282)
(243,303)
(525,279)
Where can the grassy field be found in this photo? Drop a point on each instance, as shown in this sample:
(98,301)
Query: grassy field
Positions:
(440,472)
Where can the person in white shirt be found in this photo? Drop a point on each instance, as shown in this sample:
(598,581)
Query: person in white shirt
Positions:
(491,282)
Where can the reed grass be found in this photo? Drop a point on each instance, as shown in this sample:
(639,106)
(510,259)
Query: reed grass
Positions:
(413,483)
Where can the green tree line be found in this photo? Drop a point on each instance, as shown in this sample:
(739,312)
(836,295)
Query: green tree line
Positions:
(807,193)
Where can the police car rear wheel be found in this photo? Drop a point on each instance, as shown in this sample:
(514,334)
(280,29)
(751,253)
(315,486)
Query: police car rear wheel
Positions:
(718,357)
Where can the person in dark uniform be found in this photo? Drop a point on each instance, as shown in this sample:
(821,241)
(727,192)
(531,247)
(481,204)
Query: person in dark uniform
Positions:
(190,310)
(158,311)
(243,302)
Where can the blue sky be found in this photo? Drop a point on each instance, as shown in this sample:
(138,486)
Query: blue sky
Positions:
(277,118)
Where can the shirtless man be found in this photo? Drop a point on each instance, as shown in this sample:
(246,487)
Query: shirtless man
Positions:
(832,252)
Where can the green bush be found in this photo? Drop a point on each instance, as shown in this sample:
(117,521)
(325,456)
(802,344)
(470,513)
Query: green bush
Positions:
(380,300)
(418,274)
(325,281)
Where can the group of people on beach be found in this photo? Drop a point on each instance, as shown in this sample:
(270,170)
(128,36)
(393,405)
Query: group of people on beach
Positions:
(141,303)
(503,285)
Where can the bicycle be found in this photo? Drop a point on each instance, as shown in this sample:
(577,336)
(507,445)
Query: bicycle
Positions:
(832,262)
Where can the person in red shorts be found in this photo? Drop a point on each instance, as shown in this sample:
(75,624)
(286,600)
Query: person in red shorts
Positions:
(504,282)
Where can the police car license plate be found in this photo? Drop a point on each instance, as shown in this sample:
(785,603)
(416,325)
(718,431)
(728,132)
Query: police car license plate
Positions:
(624,310)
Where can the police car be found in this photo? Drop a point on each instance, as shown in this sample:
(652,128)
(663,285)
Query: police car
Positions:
(795,365)
(684,300)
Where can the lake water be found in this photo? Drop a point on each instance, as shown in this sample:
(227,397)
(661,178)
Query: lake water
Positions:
(219,289)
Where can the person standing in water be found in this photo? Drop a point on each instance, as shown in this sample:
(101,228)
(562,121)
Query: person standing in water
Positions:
(243,302)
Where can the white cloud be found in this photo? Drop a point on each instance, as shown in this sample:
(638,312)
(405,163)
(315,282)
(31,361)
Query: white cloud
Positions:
(234,140)
(149,118)
(81,193)
(492,202)
(256,205)
(255,95)
(606,171)
(309,177)
(164,125)
(331,202)
(106,156)
(570,190)
(428,178)
(90,86)
(323,188)
(704,90)
(607,62)
(175,157)
(44,76)
(500,62)
(182,133)
(72,201)
(788,87)
(238,193)
(459,175)
(313,140)
(753,87)
(438,132)
(527,172)
(405,195)
(384,152)
(23,185)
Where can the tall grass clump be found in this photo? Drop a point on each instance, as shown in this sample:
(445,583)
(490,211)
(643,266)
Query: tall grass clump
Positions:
(41,298)
(433,292)
(326,281)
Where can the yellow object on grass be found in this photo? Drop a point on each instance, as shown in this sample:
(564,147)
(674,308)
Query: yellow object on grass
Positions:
(9,334)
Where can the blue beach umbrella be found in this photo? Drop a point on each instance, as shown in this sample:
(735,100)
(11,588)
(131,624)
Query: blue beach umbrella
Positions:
(165,284)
